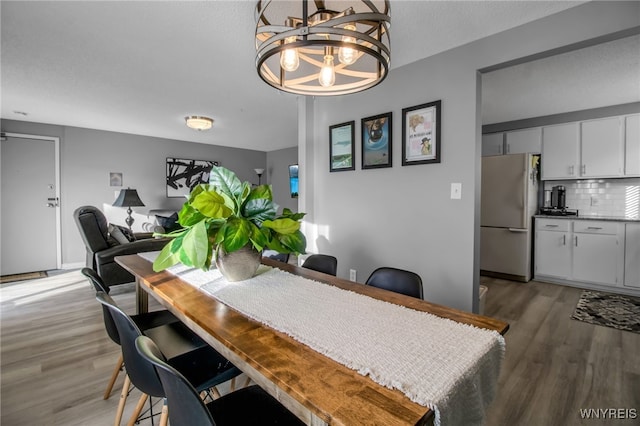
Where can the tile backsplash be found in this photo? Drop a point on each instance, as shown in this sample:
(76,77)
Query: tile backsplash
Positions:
(602,197)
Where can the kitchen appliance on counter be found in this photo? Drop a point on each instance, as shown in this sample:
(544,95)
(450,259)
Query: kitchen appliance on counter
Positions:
(558,197)
(552,211)
(509,200)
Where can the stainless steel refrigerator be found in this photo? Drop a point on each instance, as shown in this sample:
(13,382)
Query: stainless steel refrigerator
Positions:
(509,199)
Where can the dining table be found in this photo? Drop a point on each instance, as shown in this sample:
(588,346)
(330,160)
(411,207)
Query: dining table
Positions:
(311,383)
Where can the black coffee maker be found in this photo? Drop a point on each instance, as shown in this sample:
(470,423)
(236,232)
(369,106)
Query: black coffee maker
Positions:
(558,200)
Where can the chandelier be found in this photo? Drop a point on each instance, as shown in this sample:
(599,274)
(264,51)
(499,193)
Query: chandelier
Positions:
(310,49)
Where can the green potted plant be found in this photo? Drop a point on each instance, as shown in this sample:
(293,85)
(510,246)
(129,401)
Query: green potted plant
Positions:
(231,222)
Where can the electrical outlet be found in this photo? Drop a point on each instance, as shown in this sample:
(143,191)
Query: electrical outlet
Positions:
(594,201)
(352,274)
(456,191)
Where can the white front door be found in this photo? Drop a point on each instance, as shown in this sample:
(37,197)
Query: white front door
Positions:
(29,228)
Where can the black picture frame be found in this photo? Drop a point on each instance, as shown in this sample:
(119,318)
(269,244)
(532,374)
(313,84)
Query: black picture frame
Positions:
(422,134)
(342,151)
(376,141)
(183,175)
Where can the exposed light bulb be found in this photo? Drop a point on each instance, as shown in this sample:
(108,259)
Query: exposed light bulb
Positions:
(348,55)
(327,76)
(289,59)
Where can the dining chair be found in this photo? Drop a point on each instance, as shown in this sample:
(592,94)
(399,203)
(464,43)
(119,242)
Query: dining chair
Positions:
(322,263)
(244,407)
(143,321)
(203,366)
(397,280)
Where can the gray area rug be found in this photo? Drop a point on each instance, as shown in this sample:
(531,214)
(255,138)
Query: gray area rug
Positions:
(609,310)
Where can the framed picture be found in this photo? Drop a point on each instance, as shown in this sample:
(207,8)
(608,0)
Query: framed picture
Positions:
(341,147)
(293,180)
(183,175)
(115,179)
(421,134)
(376,141)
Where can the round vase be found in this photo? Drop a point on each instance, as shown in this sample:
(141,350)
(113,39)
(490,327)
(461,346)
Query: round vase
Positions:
(238,265)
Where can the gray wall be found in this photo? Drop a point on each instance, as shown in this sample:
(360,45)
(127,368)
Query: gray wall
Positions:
(87,156)
(277,172)
(403,216)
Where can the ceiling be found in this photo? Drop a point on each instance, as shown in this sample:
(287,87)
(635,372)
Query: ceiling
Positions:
(141,67)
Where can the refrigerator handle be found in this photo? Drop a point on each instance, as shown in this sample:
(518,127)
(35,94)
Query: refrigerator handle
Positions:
(517,230)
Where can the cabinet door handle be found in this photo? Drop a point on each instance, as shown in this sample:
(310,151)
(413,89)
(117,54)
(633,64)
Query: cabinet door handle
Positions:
(551,226)
(576,237)
(594,227)
(564,240)
(570,170)
(584,169)
(508,148)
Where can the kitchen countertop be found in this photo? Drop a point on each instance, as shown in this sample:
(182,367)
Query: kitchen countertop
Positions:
(590,217)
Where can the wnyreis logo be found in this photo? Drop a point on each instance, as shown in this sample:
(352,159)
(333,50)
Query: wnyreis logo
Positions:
(609,413)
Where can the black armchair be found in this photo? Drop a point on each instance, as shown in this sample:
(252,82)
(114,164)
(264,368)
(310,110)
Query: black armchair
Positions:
(101,249)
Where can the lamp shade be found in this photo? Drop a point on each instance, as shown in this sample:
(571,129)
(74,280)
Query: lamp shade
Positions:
(128,198)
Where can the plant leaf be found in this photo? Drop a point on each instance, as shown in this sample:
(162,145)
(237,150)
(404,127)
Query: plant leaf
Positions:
(294,243)
(211,204)
(166,258)
(225,181)
(195,245)
(259,237)
(261,191)
(189,216)
(282,226)
(236,234)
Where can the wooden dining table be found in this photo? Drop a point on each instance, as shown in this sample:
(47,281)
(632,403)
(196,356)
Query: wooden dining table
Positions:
(319,390)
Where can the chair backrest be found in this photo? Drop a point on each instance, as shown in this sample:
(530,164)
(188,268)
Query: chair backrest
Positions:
(397,280)
(272,254)
(142,374)
(109,324)
(185,405)
(93,227)
(322,263)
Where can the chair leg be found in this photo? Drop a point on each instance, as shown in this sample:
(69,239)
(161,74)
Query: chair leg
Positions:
(232,387)
(138,409)
(215,392)
(114,376)
(123,399)
(246,383)
(164,415)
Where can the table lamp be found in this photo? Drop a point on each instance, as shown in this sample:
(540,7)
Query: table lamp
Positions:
(128,198)
(259,172)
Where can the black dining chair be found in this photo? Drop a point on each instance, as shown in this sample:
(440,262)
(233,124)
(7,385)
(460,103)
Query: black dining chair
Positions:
(203,366)
(397,280)
(143,321)
(322,263)
(248,406)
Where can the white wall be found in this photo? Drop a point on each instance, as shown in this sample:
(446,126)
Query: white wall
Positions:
(403,216)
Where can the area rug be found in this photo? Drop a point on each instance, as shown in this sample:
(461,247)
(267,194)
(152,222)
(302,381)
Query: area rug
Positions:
(22,277)
(609,310)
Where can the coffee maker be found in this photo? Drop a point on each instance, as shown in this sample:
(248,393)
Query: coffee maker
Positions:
(558,200)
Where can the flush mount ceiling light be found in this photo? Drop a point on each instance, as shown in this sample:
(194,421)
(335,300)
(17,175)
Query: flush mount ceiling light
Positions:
(198,123)
(309,49)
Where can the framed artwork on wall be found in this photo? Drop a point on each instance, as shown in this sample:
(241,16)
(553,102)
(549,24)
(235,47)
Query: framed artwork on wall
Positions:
(183,175)
(341,147)
(376,141)
(421,134)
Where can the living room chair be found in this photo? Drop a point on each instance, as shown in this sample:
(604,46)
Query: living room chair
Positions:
(245,407)
(202,365)
(322,263)
(102,247)
(143,321)
(397,280)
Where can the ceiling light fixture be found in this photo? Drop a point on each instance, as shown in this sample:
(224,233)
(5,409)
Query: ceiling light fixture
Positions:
(198,122)
(311,50)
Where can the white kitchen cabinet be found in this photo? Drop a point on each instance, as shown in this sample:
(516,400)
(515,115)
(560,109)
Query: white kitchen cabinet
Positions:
(602,147)
(524,141)
(632,256)
(552,249)
(632,145)
(597,252)
(492,144)
(560,151)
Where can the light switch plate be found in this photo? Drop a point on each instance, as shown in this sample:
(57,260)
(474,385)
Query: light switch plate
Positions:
(456,191)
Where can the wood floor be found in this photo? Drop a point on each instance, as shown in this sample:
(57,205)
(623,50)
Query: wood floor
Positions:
(56,356)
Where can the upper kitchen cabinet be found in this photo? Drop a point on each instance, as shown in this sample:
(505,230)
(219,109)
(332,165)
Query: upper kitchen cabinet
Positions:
(560,151)
(524,141)
(492,144)
(602,147)
(632,145)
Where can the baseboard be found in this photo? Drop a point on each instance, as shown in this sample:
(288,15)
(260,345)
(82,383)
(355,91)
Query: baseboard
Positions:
(629,291)
(500,275)
(76,265)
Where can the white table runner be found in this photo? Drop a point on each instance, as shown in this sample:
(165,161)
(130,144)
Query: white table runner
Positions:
(450,367)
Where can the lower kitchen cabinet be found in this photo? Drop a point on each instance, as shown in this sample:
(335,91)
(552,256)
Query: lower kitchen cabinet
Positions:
(632,256)
(583,253)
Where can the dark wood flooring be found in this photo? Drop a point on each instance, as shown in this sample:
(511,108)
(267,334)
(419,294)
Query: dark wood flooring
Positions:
(56,357)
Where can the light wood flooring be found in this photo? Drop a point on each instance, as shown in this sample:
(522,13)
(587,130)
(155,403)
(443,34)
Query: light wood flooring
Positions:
(56,356)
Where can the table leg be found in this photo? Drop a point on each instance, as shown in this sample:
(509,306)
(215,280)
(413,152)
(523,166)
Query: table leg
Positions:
(142,299)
